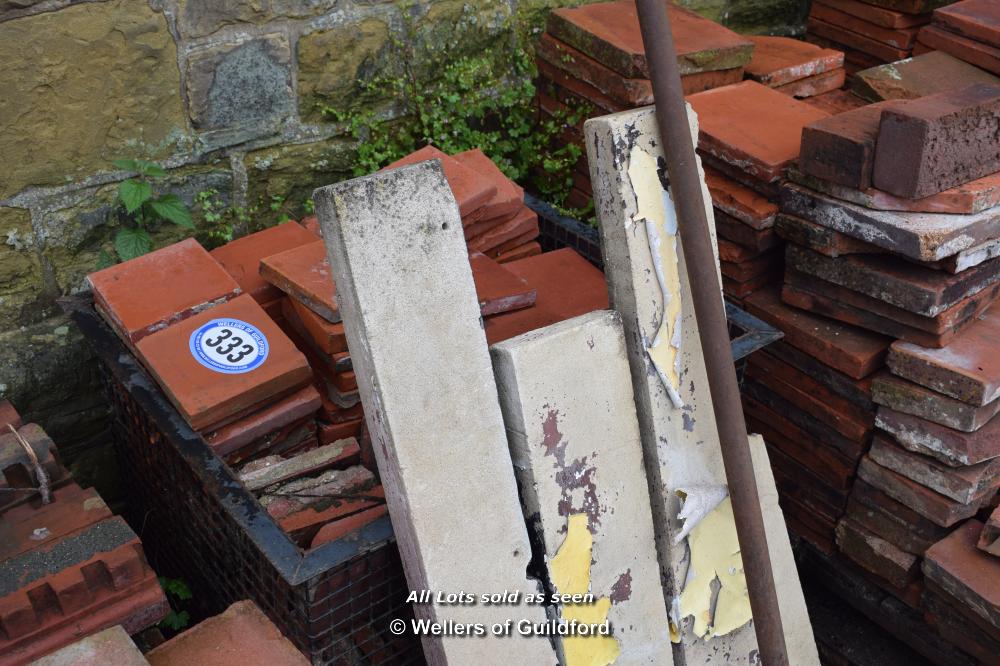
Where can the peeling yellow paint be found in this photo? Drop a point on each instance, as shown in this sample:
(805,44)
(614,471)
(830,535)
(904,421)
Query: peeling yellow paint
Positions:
(570,573)
(715,553)
(654,205)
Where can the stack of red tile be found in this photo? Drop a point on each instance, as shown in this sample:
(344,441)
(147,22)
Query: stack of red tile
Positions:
(968,30)
(74,568)
(748,136)
(869,32)
(591,59)
(794,67)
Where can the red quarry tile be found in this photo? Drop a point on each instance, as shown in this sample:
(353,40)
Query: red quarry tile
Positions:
(841,148)
(934,143)
(934,506)
(900,38)
(702,81)
(509,196)
(854,41)
(949,618)
(836,101)
(8,416)
(567,286)
(563,88)
(302,403)
(332,432)
(950,446)
(916,77)
(748,269)
(731,252)
(886,525)
(967,485)
(739,290)
(609,33)
(971,51)
(323,490)
(736,231)
(481,227)
(876,555)
(966,369)
(857,391)
(821,239)
(304,274)
(328,338)
(777,61)
(989,538)
(855,352)
(882,16)
(239,636)
(815,85)
(632,92)
(497,288)
(311,224)
(470,189)
(524,223)
(740,202)
(801,485)
(966,574)
(752,126)
(976,19)
(241,257)
(303,525)
(341,527)
(346,382)
(111,647)
(168,285)
(248,373)
(72,509)
(741,176)
(905,396)
(523,251)
(922,529)
(292,439)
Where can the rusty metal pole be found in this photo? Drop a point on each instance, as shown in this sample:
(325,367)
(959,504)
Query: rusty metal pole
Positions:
(699,256)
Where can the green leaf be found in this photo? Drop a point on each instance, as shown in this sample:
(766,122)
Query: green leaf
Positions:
(176,621)
(134,193)
(175,587)
(104,259)
(170,207)
(126,165)
(132,243)
(150,168)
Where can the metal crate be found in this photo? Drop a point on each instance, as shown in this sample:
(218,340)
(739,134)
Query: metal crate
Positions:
(198,523)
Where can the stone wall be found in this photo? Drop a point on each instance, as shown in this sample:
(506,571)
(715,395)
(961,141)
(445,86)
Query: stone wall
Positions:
(226,95)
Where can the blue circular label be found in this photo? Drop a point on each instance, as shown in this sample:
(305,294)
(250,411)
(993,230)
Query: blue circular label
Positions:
(229,346)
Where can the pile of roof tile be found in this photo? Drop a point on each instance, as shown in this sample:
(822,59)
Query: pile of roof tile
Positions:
(70,567)
(869,32)
(968,30)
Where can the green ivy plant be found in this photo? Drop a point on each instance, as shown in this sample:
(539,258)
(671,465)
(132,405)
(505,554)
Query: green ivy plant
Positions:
(145,208)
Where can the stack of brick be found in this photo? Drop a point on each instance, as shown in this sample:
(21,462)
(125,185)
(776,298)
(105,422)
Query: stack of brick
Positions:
(591,59)
(869,32)
(968,30)
(71,567)
(749,134)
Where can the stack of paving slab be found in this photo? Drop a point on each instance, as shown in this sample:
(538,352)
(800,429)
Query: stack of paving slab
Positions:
(70,566)
(749,135)
(591,59)
(869,32)
(968,30)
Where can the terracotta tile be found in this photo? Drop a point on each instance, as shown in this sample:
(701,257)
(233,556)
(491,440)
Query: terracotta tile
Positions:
(740,202)
(882,16)
(525,222)
(168,285)
(966,574)
(815,85)
(978,20)
(857,391)
(205,396)
(470,189)
(302,403)
(836,101)
(950,618)
(737,231)
(856,41)
(731,252)
(909,398)
(900,38)
(331,413)
(341,527)
(241,257)
(777,61)
(888,526)
(292,439)
(821,239)
(307,522)
(497,288)
(311,224)
(968,485)
(800,484)
(989,538)
(743,271)
(741,175)
(509,196)
(563,88)
(876,554)
(609,33)
(628,91)
(268,471)
(523,251)
(332,432)
(304,274)
(240,635)
(971,51)
(8,416)
(935,507)
(950,446)
(853,351)
(752,126)
(72,509)
(731,287)
(916,77)
(328,338)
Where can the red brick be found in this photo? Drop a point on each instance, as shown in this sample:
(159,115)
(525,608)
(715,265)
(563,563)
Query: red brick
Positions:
(836,101)
(206,397)
(971,51)
(609,33)
(815,85)
(239,636)
(736,231)
(917,77)
(304,402)
(470,189)
(853,40)
(523,251)
(909,398)
(740,202)
(966,574)
(853,351)
(876,555)
(841,148)
(934,143)
(948,445)
(340,528)
(777,61)
(989,538)
(241,257)
(752,126)
(497,288)
(150,292)
(304,274)
(976,19)
(967,485)
(882,16)
(630,91)
(900,38)
(509,196)
(934,506)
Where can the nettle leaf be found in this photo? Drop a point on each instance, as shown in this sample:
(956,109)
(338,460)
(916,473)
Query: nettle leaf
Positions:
(126,165)
(132,243)
(170,207)
(104,259)
(150,168)
(134,193)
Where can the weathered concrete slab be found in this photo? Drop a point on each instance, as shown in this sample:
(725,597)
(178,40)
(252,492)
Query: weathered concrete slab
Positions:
(963,484)
(935,507)
(909,398)
(966,369)
(945,444)
(920,236)
(398,255)
(648,286)
(566,396)
(969,575)
(934,143)
(918,76)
